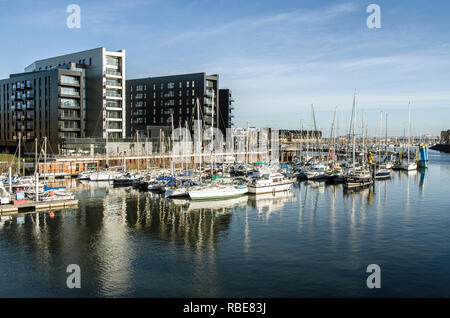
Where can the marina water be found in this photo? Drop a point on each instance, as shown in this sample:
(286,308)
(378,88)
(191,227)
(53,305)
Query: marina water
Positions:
(315,241)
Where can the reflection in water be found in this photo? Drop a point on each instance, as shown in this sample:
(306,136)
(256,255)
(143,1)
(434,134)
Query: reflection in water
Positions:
(267,203)
(132,243)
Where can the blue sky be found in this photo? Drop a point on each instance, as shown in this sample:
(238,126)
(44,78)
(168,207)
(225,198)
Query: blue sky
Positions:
(278,57)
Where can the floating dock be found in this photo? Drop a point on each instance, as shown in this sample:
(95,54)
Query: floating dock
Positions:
(8,209)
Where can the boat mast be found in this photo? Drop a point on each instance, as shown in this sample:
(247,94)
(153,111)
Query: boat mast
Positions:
(198,136)
(409,128)
(45,159)
(379,138)
(386,138)
(172,137)
(353,131)
(18,161)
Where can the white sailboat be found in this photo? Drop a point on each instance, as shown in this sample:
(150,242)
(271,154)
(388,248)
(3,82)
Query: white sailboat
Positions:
(408,165)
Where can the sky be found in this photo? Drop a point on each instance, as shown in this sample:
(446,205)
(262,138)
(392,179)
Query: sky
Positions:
(277,57)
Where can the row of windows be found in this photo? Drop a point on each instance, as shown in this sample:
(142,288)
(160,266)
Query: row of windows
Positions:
(168,94)
(170,85)
(170,102)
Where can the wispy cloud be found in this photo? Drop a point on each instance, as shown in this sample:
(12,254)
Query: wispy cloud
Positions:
(250,24)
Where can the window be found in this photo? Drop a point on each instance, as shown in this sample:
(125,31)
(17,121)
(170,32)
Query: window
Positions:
(187,84)
(193,83)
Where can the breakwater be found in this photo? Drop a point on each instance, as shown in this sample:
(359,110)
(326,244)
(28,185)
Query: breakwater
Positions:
(441,147)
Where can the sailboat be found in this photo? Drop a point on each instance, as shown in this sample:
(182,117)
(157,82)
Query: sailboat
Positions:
(408,165)
(356,177)
(383,171)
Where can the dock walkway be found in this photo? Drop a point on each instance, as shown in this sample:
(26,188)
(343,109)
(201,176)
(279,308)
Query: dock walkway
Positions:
(8,209)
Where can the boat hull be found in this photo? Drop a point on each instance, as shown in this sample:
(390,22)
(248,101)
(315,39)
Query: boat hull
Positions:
(215,195)
(269,188)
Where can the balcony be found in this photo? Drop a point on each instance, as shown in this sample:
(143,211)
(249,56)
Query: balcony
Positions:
(113,84)
(112,94)
(67,82)
(113,61)
(69,103)
(69,92)
(109,72)
(68,117)
(69,126)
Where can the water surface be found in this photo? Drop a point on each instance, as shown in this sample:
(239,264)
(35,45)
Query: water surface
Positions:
(315,241)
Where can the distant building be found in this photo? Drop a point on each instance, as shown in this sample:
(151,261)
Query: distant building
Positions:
(445,137)
(105,88)
(293,134)
(152,102)
(48,103)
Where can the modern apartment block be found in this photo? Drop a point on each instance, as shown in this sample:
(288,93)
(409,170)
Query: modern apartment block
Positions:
(225,109)
(152,101)
(48,103)
(105,88)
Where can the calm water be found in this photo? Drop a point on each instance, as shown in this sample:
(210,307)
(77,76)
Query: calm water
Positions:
(316,241)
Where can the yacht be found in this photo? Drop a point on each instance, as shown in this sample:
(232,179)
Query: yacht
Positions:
(270,182)
(217,192)
(316,172)
(383,173)
(358,179)
(408,166)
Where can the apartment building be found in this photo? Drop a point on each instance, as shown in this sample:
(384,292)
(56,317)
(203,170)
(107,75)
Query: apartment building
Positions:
(153,102)
(104,89)
(48,103)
